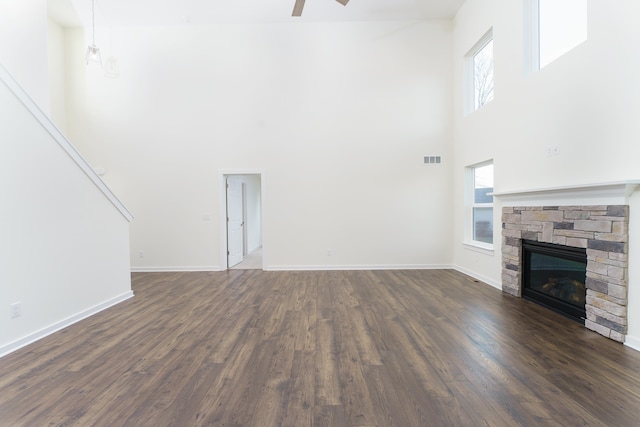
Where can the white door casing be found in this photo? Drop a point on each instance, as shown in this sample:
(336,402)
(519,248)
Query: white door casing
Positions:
(235,235)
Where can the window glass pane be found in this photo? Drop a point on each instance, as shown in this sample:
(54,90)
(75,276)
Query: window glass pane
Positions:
(483,75)
(479,215)
(483,225)
(483,184)
(562,26)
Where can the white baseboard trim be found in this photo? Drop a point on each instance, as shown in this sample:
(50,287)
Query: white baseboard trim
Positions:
(487,280)
(31,338)
(176,269)
(356,267)
(298,268)
(632,342)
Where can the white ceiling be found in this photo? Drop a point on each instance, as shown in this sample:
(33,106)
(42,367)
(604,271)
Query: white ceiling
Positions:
(77,13)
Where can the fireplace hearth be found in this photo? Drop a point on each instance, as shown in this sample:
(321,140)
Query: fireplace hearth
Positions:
(554,276)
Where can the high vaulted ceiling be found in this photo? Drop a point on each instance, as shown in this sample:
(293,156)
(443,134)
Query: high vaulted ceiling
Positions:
(77,13)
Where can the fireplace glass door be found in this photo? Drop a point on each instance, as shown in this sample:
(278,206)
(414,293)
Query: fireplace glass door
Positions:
(555,276)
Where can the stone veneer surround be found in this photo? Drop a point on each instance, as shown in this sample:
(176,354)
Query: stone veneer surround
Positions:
(602,230)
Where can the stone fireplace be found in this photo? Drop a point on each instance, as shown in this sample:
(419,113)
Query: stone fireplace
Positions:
(603,230)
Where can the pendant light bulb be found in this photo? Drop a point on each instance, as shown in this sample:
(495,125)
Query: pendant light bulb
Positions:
(93,52)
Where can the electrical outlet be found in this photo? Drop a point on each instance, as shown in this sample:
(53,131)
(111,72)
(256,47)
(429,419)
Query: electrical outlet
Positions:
(141,254)
(552,150)
(16,310)
(329,252)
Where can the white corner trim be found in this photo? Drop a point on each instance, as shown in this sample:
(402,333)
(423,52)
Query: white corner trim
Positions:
(482,278)
(357,267)
(176,269)
(61,140)
(632,342)
(605,193)
(31,338)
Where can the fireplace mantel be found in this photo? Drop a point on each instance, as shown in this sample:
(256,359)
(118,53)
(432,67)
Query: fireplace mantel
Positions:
(604,193)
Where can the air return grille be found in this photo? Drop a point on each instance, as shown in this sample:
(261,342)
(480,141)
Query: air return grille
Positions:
(432,159)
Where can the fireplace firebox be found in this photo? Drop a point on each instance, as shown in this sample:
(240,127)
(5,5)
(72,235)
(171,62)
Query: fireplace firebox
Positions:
(555,276)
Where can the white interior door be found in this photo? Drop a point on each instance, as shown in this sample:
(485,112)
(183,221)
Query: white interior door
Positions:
(235,224)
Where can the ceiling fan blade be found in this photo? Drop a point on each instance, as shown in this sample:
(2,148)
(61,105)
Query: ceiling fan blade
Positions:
(297,8)
(343,2)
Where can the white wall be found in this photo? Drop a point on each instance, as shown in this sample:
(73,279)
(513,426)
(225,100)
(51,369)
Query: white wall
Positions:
(585,103)
(64,248)
(57,74)
(23,46)
(339,116)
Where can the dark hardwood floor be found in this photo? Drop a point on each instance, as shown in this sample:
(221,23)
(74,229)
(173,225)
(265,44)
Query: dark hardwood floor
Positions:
(357,348)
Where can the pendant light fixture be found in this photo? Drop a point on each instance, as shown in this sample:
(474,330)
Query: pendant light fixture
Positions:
(93,52)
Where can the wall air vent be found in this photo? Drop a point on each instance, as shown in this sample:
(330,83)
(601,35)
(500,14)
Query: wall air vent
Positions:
(432,159)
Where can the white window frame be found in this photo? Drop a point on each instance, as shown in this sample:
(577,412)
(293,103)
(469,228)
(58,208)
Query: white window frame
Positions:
(469,73)
(531,36)
(532,46)
(470,205)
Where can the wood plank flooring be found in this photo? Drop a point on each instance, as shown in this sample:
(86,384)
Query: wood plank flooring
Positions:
(355,348)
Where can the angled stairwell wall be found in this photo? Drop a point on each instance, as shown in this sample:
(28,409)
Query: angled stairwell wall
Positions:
(64,236)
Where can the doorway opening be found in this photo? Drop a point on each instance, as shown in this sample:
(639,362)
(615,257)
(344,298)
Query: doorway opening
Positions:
(241,239)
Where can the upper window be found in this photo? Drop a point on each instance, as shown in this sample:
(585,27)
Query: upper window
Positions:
(554,28)
(479,65)
(480,185)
